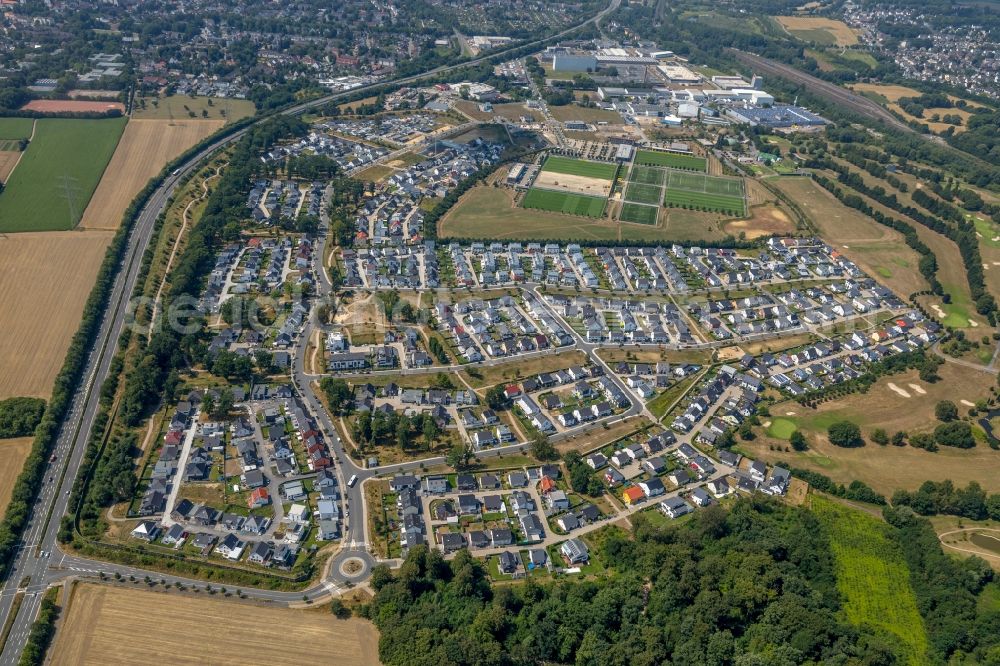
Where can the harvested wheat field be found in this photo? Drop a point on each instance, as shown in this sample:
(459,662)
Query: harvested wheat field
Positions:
(109,625)
(45,278)
(8,159)
(145,147)
(13,453)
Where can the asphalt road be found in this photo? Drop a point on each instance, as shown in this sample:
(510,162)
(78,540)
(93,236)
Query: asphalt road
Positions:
(39,561)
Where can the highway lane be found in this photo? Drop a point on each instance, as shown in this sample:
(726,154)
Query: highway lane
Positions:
(39,543)
(40,537)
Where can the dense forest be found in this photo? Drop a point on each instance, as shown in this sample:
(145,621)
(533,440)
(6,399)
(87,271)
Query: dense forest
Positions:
(754,584)
(20,416)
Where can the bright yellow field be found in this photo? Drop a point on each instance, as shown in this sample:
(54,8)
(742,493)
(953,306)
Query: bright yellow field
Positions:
(840,31)
(13,453)
(145,147)
(109,625)
(45,277)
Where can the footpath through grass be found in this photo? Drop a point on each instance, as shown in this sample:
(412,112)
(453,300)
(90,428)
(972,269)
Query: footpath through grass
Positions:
(58,173)
(872,576)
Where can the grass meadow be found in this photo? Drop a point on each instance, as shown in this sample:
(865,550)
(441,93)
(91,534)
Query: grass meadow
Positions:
(638,213)
(58,174)
(564,202)
(12,129)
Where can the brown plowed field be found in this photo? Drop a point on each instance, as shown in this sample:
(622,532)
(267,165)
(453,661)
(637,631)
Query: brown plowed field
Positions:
(45,278)
(71,106)
(109,625)
(144,148)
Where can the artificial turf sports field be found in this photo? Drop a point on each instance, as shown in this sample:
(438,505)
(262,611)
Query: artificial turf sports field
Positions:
(712,193)
(564,202)
(672,160)
(575,167)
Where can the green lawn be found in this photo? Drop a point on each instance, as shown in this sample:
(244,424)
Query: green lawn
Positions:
(872,576)
(817,35)
(781,428)
(646,194)
(575,167)
(990,236)
(956,312)
(659,405)
(862,56)
(15,128)
(647,175)
(673,160)
(564,202)
(638,213)
(703,192)
(58,173)
(696,182)
(703,201)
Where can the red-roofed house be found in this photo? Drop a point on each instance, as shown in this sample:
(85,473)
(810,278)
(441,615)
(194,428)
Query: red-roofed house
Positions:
(258,498)
(633,495)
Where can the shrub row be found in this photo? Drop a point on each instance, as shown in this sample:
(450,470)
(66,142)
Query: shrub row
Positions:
(858,491)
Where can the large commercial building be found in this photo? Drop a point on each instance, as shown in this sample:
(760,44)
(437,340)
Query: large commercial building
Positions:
(687,110)
(783,115)
(679,74)
(573,62)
